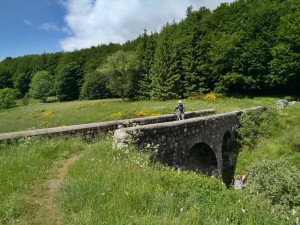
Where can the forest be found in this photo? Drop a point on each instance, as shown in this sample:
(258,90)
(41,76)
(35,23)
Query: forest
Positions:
(248,47)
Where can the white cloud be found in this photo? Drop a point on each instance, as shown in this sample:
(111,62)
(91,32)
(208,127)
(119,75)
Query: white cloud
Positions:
(50,26)
(28,22)
(94,22)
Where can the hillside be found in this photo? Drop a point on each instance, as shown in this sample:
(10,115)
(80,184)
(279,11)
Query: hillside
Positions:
(71,182)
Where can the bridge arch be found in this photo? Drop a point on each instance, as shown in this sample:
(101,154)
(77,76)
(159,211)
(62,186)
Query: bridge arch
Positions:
(226,142)
(229,157)
(200,158)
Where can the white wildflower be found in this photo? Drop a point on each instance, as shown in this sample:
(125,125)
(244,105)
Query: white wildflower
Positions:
(244,211)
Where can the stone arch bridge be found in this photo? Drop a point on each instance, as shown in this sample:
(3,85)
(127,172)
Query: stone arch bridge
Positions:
(201,144)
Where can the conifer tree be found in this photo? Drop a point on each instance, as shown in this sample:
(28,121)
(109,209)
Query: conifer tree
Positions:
(191,32)
(145,54)
(163,72)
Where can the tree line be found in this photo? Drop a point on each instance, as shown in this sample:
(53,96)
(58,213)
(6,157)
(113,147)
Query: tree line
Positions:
(248,47)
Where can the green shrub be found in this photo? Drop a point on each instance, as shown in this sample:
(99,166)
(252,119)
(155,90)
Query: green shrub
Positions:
(276,180)
(95,87)
(254,125)
(235,83)
(25,99)
(42,85)
(7,98)
(68,82)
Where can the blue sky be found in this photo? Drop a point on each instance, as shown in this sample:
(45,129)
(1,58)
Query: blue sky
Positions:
(37,26)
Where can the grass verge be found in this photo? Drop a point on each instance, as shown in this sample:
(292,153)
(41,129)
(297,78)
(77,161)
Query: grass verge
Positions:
(282,143)
(113,186)
(25,165)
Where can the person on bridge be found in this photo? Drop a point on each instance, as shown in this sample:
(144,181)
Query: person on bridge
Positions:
(180,108)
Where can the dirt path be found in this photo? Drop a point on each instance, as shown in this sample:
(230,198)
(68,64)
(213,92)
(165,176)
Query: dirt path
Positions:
(41,201)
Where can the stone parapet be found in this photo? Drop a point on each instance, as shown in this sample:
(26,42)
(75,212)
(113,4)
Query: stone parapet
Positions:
(170,143)
(93,131)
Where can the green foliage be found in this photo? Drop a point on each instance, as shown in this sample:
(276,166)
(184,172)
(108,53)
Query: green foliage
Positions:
(5,77)
(234,83)
(118,69)
(22,76)
(245,47)
(145,57)
(42,85)
(286,54)
(25,99)
(95,87)
(254,125)
(69,82)
(191,33)
(7,98)
(164,72)
(275,180)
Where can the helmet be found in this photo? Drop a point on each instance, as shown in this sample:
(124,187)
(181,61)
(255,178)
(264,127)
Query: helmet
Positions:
(179,101)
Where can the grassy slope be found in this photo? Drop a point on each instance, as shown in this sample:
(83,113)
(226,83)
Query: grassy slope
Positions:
(113,186)
(284,141)
(108,187)
(41,115)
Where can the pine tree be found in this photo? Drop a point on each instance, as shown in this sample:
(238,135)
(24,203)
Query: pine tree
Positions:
(163,73)
(191,33)
(146,52)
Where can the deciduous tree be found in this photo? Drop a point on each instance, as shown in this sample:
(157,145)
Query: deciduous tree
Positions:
(119,68)
(68,82)
(42,85)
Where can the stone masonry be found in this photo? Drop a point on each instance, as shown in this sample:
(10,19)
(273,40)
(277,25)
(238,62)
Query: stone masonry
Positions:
(94,131)
(174,140)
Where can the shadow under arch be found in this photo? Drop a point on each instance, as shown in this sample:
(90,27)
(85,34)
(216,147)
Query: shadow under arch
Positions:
(201,159)
(229,157)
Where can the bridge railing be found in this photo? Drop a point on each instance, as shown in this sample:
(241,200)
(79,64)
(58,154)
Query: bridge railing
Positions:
(122,137)
(93,131)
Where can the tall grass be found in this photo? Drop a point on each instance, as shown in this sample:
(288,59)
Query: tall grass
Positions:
(41,115)
(25,163)
(283,141)
(113,186)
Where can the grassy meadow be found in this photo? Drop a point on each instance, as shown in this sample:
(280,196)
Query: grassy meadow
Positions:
(42,115)
(68,181)
(113,186)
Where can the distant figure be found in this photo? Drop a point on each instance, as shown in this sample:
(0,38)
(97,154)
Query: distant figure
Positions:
(180,108)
